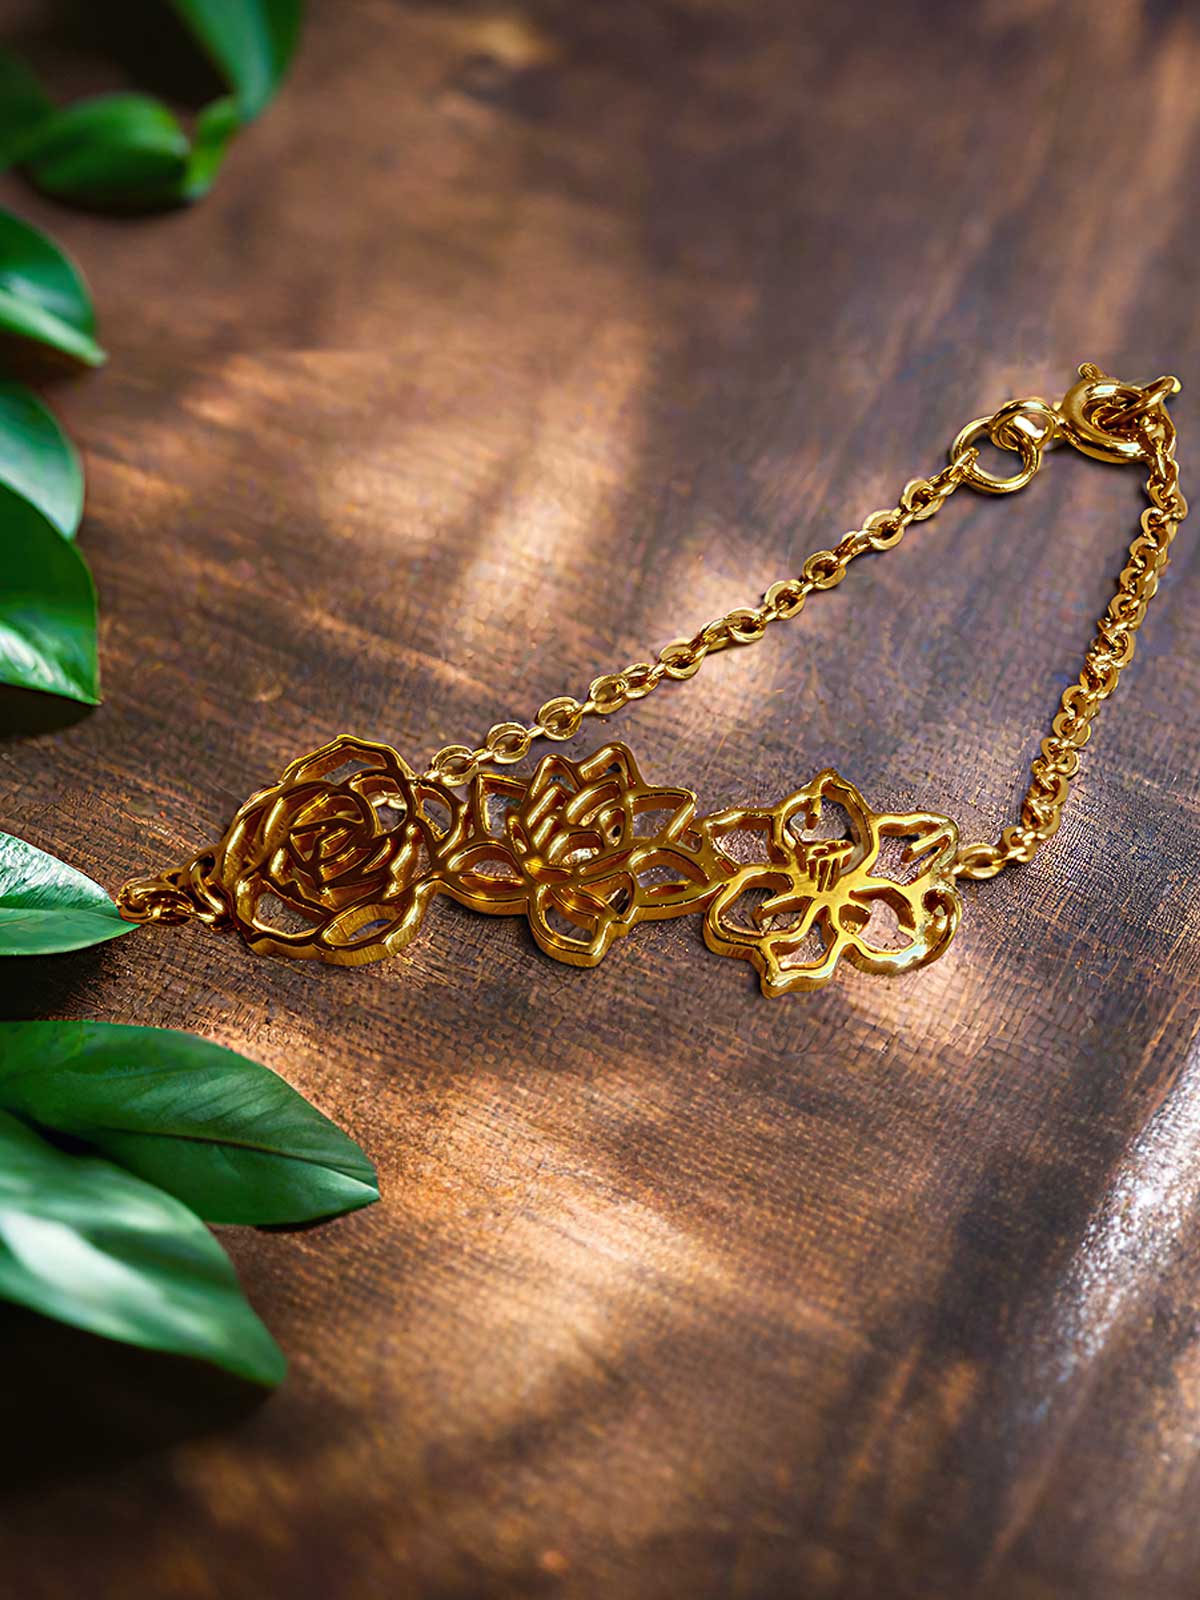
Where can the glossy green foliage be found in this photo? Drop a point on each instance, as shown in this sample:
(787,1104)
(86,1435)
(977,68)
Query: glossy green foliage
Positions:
(47,606)
(84,1242)
(250,44)
(38,460)
(129,152)
(47,907)
(222,1133)
(43,298)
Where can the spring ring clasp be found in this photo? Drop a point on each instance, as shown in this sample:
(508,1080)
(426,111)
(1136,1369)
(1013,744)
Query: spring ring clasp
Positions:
(1106,419)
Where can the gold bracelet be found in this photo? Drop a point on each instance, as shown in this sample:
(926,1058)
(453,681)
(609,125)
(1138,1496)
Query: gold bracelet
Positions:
(341,857)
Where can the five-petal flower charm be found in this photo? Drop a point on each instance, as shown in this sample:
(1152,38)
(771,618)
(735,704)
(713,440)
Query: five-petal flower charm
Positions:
(805,902)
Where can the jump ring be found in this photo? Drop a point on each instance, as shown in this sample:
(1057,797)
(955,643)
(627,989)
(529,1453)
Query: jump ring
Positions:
(1015,439)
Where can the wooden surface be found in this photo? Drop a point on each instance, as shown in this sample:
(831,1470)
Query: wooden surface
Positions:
(513,342)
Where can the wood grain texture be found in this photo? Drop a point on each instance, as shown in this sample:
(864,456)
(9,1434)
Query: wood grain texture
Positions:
(515,340)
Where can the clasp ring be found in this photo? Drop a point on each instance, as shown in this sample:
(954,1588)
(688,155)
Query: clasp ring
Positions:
(1097,413)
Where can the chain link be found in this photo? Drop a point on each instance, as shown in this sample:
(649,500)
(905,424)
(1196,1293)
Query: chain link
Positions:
(183,894)
(1057,762)
(562,717)
(1099,416)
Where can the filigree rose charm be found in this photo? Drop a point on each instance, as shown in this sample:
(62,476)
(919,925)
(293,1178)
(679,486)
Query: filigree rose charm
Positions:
(808,903)
(586,850)
(335,861)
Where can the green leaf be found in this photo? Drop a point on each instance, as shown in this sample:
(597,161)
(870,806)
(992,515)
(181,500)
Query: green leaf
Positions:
(84,1242)
(47,906)
(225,1135)
(123,149)
(47,606)
(24,105)
(38,460)
(215,127)
(250,43)
(42,295)
(128,151)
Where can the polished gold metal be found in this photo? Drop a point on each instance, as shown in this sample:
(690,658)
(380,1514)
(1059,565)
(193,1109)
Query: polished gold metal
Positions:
(1114,422)
(341,858)
(332,862)
(585,849)
(809,902)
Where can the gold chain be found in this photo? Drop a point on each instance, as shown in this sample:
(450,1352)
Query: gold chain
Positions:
(1057,762)
(1100,417)
(336,830)
(561,717)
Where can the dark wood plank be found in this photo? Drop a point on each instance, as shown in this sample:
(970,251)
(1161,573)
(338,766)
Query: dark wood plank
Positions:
(513,342)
